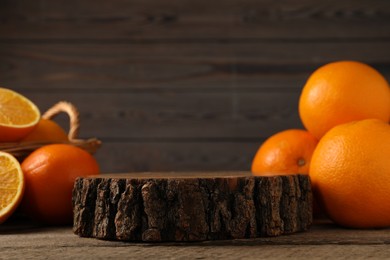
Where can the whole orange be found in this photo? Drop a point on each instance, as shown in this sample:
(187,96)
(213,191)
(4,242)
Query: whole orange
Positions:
(342,92)
(350,174)
(50,172)
(286,152)
(47,130)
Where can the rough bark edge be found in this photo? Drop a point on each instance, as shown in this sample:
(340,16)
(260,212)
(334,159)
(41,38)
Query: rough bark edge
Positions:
(195,209)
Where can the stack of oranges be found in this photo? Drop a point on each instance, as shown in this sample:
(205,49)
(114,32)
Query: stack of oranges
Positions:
(345,108)
(43,182)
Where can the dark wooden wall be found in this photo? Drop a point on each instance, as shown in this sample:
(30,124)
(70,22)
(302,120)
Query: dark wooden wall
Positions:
(180,84)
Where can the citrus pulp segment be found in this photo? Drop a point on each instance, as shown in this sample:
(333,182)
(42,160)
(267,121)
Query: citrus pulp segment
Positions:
(11,185)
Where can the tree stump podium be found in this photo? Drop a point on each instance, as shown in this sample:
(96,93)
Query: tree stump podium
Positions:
(185,206)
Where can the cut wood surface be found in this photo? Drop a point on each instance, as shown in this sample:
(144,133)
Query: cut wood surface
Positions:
(190,206)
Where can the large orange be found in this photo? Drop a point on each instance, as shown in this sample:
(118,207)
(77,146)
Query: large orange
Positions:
(50,172)
(350,173)
(341,92)
(11,185)
(286,152)
(18,116)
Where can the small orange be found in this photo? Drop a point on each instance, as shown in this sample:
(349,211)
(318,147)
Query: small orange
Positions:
(11,185)
(47,130)
(287,152)
(342,92)
(350,174)
(18,116)
(50,172)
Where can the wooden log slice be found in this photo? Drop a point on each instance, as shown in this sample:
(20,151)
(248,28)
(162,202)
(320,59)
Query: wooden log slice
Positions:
(155,207)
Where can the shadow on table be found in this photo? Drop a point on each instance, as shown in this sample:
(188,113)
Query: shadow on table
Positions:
(19,224)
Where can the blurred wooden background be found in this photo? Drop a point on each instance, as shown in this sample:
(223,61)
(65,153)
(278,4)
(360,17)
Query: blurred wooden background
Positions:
(180,84)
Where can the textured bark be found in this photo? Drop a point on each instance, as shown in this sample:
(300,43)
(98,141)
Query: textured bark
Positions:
(190,207)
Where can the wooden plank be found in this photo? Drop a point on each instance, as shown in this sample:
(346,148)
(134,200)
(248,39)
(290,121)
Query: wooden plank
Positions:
(322,240)
(323,232)
(116,157)
(180,20)
(182,131)
(123,251)
(231,114)
(177,66)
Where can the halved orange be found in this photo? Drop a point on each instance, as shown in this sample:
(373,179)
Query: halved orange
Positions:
(18,116)
(11,185)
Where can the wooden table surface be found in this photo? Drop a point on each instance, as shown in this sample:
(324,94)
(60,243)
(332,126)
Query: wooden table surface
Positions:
(324,240)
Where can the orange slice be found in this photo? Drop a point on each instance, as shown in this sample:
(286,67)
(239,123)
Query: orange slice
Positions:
(18,116)
(11,185)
